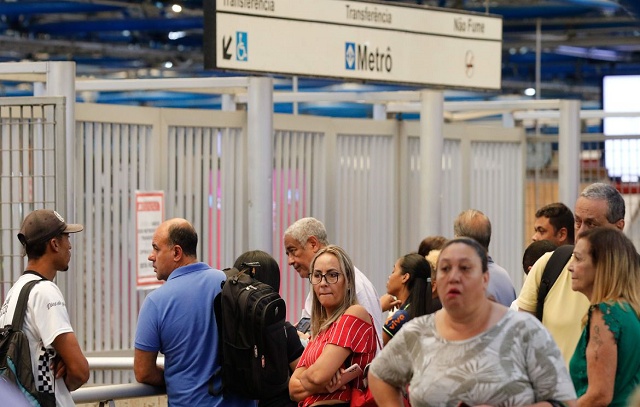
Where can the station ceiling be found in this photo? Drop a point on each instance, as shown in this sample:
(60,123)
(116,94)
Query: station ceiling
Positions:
(580,41)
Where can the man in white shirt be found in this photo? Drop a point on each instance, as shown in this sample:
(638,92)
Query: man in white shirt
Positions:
(58,364)
(302,240)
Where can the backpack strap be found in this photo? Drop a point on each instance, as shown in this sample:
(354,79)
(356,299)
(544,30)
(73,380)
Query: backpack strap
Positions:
(551,272)
(217,375)
(21,306)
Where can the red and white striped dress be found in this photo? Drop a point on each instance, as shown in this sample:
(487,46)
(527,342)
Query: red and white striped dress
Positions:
(348,332)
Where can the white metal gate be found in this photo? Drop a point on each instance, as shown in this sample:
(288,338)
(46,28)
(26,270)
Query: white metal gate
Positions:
(32,171)
(360,177)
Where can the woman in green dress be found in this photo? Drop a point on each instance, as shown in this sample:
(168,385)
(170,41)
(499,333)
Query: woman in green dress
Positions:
(605,367)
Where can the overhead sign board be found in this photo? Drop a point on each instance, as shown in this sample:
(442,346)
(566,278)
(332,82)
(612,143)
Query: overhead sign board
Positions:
(357,40)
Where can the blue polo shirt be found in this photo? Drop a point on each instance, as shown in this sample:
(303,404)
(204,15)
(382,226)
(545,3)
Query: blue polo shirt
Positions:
(177,320)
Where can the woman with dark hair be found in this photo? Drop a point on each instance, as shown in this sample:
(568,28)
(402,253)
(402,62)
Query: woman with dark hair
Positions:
(342,334)
(268,272)
(473,350)
(265,269)
(410,283)
(605,367)
(430,243)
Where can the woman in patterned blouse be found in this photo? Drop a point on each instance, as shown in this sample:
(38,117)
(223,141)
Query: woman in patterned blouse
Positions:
(473,350)
(341,333)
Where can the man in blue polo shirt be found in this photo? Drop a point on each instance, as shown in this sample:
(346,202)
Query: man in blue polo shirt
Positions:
(177,321)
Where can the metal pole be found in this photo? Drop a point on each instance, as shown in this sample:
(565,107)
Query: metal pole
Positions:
(569,152)
(295,90)
(260,163)
(228,103)
(538,55)
(431,145)
(379,112)
(536,174)
(61,81)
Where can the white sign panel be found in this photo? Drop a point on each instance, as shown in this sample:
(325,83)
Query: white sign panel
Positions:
(620,94)
(149,215)
(358,40)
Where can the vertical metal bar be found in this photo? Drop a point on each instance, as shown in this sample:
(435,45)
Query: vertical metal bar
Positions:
(538,56)
(240,140)
(189,170)
(569,151)
(431,141)
(260,162)
(60,81)
(224,177)
(228,103)
(199,188)
(295,90)
(379,112)
(124,220)
(206,232)
(109,184)
(6,203)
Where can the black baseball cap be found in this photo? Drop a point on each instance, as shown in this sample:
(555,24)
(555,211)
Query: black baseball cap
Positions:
(44,224)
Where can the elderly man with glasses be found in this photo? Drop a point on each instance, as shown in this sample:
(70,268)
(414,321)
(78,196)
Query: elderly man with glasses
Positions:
(302,240)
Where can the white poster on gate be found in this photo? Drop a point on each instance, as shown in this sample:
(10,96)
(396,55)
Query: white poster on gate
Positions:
(149,215)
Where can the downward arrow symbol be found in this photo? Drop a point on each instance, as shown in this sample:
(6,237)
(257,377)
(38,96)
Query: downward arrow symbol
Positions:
(225,47)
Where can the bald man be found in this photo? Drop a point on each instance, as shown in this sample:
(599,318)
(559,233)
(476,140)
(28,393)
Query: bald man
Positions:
(177,321)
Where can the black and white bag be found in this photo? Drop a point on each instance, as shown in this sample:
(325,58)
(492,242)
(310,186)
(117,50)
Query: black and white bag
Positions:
(15,356)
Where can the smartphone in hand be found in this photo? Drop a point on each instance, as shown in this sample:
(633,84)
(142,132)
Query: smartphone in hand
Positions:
(349,374)
(304,325)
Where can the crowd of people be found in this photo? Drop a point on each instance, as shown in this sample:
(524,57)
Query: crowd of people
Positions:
(455,333)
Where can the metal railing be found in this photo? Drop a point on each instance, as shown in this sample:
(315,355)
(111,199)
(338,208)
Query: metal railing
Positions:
(110,392)
(106,394)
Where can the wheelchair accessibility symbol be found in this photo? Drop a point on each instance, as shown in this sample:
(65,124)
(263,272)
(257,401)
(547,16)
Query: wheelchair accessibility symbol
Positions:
(242,47)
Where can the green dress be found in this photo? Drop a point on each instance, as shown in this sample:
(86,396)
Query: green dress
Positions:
(625,326)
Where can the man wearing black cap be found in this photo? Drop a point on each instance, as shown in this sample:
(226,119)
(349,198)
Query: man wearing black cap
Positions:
(57,361)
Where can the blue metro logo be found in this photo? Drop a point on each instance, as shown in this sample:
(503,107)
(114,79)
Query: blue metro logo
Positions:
(350,56)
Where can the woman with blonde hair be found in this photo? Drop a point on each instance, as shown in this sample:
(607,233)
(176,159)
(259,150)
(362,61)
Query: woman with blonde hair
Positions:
(342,333)
(605,367)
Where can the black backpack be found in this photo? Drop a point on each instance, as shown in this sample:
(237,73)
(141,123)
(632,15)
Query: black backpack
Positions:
(253,338)
(551,272)
(15,357)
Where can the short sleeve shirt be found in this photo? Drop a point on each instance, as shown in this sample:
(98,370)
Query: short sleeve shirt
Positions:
(513,363)
(46,318)
(563,307)
(348,332)
(624,324)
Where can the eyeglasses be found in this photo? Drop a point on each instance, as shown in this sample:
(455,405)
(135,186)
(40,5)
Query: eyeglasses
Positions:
(331,277)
